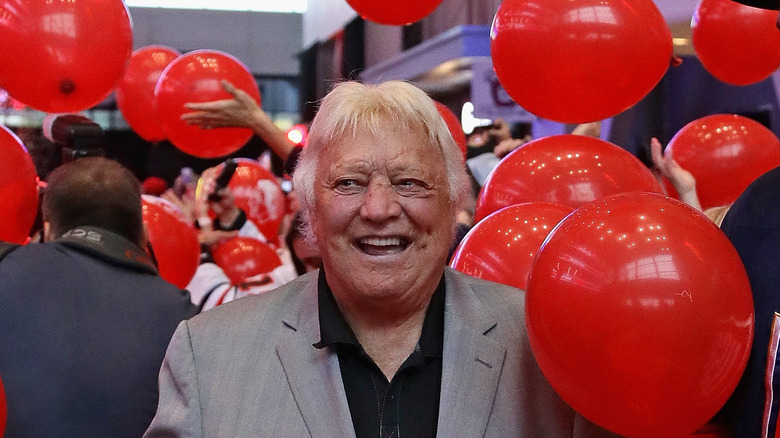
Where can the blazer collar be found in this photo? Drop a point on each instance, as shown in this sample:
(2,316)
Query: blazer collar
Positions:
(314,374)
(470,372)
(472,361)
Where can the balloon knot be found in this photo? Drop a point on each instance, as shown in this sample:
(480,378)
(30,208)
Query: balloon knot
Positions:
(67,86)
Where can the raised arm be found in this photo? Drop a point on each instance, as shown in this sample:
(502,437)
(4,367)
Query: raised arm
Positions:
(239,111)
(683,181)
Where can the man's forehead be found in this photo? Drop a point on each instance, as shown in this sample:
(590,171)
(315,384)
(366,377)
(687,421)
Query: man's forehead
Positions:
(391,159)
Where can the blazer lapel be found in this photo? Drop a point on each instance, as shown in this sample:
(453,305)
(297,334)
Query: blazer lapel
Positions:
(314,374)
(472,362)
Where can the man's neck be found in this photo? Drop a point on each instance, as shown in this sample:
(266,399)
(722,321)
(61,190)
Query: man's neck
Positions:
(388,343)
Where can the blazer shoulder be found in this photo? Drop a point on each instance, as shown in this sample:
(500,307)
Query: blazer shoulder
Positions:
(487,292)
(245,313)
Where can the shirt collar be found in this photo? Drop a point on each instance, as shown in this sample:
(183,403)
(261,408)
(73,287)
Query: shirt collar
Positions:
(335,330)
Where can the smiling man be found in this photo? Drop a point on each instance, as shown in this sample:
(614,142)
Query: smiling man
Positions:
(385,340)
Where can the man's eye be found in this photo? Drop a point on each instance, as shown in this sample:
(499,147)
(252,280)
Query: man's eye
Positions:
(346,183)
(409,183)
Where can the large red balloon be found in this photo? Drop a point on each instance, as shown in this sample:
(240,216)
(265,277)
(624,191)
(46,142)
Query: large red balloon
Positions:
(725,153)
(394,12)
(196,77)
(135,93)
(63,56)
(244,257)
(18,189)
(259,194)
(456,129)
(174,240)
(737,44)
(579,61)
(502,246)
(563,169)
(640,314)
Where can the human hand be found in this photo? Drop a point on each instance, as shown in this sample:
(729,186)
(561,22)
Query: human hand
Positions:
(224,205)
(185,203)
(500,131)
(682,180)
(503,148)
(239,111)
(210,237)
(592,129)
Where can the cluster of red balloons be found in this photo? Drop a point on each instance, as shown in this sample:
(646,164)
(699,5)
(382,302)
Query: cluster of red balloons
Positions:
(63,56)
(581,61)
(640,314)
(196,77)
(395,12)
(258,194)
(563,169)
(242,258)
(18,189)
(725,153)
(135,93)
(502,246)
(737,44)
(173,239)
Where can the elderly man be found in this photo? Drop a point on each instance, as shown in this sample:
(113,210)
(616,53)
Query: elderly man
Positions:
(85,318)
(384,340)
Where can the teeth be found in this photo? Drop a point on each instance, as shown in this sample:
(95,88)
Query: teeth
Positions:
(381,241)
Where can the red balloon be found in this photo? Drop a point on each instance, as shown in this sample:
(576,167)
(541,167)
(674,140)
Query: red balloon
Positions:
(242,258)
(639,313)
(725,153)
(453,123)
(397,12)
(563,169)
(135,93)
(579,61)
(502,246)
(63,56)
(196,77)
(737,44)
(258,193)
(18,189)
(173,239)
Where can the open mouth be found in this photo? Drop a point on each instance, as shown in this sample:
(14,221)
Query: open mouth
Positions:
(382,245)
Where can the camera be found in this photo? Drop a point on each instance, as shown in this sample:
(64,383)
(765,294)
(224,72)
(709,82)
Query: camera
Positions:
(77,136)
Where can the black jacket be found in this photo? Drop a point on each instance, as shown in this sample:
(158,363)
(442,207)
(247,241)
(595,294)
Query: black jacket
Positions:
(84,325)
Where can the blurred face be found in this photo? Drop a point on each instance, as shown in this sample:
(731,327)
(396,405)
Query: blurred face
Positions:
(382,217)
(307,253)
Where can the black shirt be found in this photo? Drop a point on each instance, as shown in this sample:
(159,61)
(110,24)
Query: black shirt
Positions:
(407,406)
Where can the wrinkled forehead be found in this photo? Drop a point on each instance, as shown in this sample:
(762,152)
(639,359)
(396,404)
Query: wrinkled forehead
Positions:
(390,145)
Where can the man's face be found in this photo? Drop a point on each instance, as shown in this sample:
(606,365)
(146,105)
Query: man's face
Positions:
(382,216)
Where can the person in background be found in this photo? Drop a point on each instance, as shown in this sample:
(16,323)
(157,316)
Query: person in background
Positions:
(85,318)
(384,339)
(752,224)
(305,255)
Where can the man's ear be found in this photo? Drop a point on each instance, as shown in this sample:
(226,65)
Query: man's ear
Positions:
(144,237)
(47,237)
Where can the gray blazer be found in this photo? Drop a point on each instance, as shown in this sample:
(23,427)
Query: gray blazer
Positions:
(248,369)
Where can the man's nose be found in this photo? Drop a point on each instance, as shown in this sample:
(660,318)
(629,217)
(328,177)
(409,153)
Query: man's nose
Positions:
(380,202)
